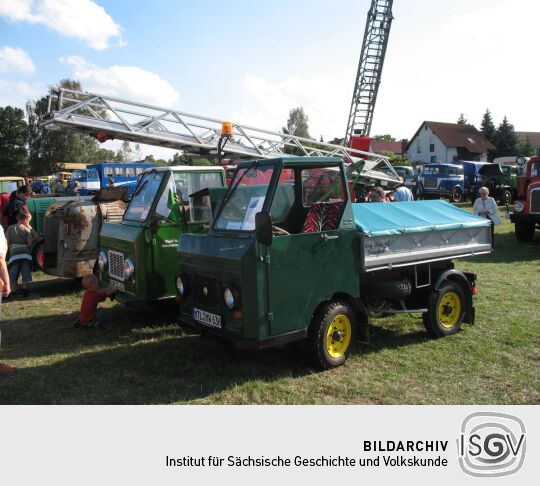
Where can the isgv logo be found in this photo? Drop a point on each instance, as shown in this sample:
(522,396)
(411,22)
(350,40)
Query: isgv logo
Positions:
(491,444)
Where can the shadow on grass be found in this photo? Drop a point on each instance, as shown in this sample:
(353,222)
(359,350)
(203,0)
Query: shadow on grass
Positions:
(175,369)
(43,288)
(509,250)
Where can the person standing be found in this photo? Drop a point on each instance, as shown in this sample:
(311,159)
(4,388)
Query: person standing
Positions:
(4,284)
(486,207)
(403,193)
(17,203)
(20,238)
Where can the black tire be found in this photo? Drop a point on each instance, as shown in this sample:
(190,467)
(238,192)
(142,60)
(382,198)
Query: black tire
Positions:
(330,348)
(506,197)
(524,231)
(450,301)
(456,195)
(389,289)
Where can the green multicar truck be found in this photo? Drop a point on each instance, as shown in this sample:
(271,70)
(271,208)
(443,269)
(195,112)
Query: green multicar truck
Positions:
(138,255)
(291,258)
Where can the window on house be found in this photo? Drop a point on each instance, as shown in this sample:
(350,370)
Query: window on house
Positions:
(433,159)
(432,147)
(417,146)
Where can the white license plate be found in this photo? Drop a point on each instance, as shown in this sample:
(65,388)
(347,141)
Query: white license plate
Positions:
(117,285)
(207,318)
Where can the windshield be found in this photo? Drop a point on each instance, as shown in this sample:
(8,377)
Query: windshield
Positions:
(144,196)
(189,182)
(245,198)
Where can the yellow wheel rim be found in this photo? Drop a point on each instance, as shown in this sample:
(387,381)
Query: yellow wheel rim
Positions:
(449,310)
(338,336)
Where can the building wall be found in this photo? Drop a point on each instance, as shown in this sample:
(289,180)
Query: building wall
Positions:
(420,148)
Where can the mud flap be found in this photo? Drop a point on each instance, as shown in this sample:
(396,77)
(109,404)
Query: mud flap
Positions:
(469,315)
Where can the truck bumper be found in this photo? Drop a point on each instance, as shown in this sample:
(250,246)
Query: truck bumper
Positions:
(525,218)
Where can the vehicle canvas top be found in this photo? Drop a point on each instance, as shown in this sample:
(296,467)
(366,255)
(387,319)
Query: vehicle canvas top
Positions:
(381,219)
(491,170)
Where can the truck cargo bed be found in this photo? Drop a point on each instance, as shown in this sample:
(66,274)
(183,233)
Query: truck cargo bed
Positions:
(406,233)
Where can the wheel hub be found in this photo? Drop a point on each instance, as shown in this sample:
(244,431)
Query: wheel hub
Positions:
(447,309)
(337,335)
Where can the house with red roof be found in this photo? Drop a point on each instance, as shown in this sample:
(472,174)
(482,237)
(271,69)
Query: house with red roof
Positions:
(446,142)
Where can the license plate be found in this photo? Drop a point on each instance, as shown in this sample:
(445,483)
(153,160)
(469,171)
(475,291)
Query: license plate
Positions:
(117,285)
(207,318)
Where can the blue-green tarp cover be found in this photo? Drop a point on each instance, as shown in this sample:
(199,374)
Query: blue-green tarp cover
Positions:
(383,219)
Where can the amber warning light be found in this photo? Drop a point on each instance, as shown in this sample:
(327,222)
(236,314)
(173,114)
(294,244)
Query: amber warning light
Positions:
(226,129)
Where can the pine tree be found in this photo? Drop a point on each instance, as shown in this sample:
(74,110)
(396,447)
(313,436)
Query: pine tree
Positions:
(462,120)
(487,126)
(505,139)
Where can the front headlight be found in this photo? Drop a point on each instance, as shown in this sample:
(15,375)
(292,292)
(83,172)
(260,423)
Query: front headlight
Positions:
(182,285)
(129,269)
(231,298)
(519,206)
(102,261)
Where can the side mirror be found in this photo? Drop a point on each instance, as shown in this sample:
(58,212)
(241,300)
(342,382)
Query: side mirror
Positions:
(263,228)
(154,224)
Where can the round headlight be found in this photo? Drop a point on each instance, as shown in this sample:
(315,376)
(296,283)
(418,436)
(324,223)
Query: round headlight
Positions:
(180,285)
(102,261)
(518,206)
(129,269)
(231,298)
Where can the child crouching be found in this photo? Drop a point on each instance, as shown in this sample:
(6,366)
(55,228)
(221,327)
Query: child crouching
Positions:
(89,315)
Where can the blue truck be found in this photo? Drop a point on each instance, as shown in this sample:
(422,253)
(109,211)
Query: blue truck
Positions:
(456,181)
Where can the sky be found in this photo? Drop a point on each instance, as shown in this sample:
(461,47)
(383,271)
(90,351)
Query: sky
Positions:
(251,61)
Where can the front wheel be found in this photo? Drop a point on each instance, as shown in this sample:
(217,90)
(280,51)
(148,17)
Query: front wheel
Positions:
(456,195)
(506,198)
(331,334)
(524,230)
(446,310)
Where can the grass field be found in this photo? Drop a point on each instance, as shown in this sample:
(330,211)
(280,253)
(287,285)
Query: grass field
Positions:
(144,358)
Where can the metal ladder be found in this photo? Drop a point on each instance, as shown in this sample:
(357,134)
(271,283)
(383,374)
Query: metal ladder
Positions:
(107,117)
(368,77)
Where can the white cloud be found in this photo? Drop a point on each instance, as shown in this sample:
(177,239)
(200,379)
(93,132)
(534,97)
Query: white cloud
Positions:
(128,82)
(325,101)
(17,93)
(81,19)
(15,59)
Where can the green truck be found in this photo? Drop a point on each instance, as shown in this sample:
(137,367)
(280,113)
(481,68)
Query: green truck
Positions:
(290,258)
(138,255)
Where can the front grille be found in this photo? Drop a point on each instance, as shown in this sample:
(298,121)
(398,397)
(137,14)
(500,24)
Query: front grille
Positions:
(431,183)
(210,297)
(116,264)
(535,201)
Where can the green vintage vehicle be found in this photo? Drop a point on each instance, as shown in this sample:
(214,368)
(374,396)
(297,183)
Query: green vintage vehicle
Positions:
(291,258)
(501,180)
(138,256)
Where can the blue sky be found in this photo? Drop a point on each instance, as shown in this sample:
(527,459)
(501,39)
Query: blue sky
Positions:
(252,61)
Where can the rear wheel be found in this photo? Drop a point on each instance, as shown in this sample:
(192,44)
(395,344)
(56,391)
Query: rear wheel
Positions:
(446,310)
(524,230)
(38,256)
(331,334)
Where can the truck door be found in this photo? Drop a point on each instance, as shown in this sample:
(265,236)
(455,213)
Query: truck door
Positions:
(316,259)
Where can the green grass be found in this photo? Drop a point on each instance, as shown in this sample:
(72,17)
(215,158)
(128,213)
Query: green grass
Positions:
(144,357)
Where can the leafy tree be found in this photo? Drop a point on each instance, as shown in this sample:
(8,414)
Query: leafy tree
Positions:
(297,125)
(383,138)
(13,134)
(48,148)
(125,153)
(525,148)
(505,139)
(137,152)
(487,126)
(462,120)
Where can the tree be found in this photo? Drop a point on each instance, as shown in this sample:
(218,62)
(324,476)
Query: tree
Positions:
(505,139)
(48,148)
(13,134)
(297,125)
(487,126)
(137,152)
(384,138)
(125,153)
(525,148)
(462,120)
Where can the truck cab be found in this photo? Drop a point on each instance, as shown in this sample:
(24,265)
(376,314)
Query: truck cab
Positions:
(526,214)
(138,255)
(292,258)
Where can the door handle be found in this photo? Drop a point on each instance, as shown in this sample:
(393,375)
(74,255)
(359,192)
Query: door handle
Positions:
(326,237)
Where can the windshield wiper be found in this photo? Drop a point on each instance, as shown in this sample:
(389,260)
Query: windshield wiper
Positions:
(140,188)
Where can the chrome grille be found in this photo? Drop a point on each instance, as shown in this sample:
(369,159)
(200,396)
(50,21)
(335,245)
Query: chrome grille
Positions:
(208,297)
(535,201)
(116,264)
(430,182)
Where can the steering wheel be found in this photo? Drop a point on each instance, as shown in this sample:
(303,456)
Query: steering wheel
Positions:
(279,231)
